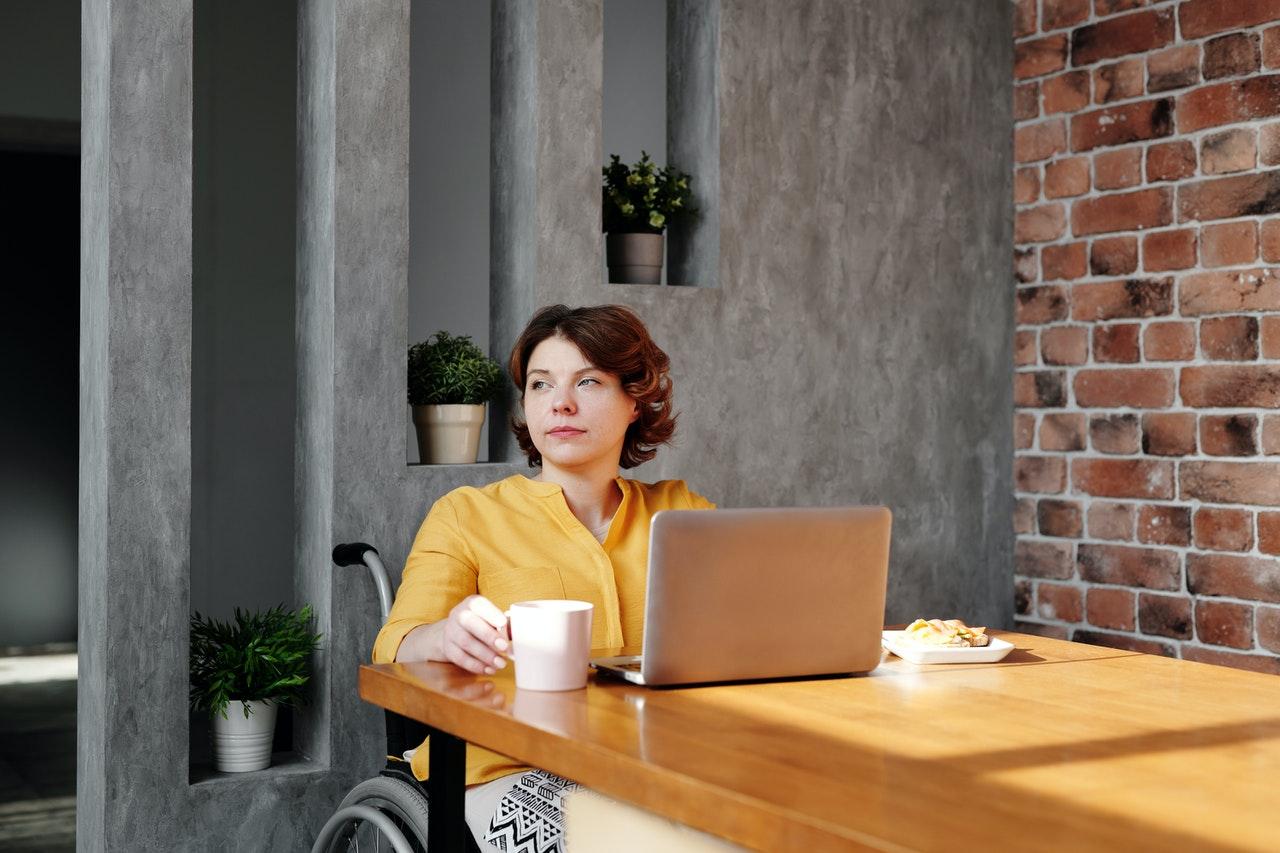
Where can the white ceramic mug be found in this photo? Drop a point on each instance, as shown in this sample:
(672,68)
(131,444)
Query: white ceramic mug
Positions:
(551,643)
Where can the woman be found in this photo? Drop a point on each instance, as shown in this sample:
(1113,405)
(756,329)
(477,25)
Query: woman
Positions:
(595,395)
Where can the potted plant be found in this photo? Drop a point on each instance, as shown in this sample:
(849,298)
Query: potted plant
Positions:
(242,672)
(450,380)
(640,201)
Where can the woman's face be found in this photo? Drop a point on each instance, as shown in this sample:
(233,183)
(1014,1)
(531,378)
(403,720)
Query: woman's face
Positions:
(577,414)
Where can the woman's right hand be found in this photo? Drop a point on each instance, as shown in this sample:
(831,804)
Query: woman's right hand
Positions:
(475,636)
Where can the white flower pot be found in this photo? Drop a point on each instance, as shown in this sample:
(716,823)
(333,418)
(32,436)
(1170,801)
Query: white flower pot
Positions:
(241,744)
(448,434)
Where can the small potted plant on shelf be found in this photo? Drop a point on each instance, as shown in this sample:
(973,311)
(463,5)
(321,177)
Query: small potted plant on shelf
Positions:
(242,671)
(640,201)
(450,380)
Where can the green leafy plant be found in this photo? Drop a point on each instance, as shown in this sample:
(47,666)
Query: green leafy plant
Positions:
(449,369)
(643,198)
(261,655)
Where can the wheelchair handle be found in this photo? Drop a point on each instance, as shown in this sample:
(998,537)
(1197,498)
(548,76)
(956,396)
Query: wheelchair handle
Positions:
(353,553)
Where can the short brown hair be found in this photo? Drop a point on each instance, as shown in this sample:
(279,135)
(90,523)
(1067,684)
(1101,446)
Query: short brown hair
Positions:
(615,340)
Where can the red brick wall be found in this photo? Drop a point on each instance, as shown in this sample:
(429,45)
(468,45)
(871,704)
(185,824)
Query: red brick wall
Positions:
(1147,350)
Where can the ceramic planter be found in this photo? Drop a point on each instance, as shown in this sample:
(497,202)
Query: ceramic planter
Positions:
(634,258)
(242,744)
(448,434)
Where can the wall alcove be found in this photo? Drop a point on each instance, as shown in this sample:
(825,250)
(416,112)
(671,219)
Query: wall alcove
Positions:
(671,111)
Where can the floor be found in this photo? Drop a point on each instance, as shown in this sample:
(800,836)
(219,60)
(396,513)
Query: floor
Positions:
(37,753)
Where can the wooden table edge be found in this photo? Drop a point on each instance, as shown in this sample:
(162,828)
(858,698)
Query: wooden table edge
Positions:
(694,799)
(785,829)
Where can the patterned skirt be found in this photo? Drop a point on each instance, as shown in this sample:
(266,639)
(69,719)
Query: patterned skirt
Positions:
(521,813)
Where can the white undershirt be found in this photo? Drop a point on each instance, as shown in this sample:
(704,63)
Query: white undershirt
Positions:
(603,530)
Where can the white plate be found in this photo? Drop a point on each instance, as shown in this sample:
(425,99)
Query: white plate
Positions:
(909,650)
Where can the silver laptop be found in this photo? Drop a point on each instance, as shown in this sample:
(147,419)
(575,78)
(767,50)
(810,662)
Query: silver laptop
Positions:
(740,594)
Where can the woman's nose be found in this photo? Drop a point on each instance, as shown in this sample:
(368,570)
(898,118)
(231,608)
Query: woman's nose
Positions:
(563,403)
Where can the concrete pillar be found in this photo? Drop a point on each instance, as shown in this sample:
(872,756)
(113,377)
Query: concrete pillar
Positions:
(353,252)
(545,211)
(135,414)
(135,790)
(693,136)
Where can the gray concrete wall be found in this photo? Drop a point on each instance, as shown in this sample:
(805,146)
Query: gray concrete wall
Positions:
(135,420)
(135,790)
(855,350)
(514,215)
(693,138)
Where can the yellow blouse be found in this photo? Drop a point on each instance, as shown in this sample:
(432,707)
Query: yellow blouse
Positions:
(516,540)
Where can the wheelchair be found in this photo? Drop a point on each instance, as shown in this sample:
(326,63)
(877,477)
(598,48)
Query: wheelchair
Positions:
(392,811)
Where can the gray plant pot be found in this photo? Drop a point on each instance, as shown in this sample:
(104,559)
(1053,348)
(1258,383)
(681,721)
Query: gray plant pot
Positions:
(634,258)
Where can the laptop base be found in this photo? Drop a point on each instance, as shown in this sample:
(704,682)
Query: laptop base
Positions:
(626,667)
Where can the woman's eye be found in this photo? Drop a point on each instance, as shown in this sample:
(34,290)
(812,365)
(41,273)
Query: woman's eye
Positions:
(586,379)
(537,385)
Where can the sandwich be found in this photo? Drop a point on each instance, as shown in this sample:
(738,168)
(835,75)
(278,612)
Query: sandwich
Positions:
(946,632)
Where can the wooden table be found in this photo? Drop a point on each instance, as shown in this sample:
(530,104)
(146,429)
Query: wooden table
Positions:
(1060,746)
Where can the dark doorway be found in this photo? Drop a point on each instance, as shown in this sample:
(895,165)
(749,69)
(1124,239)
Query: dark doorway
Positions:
(40,245)
(39,449)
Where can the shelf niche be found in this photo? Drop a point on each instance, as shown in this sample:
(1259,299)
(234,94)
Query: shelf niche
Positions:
(676,119)
(449,181)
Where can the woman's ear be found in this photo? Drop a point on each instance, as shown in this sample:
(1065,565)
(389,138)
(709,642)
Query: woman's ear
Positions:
(635,411)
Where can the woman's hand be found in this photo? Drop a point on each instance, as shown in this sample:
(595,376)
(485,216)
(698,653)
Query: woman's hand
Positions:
(476,635)
(479,692)
(473,636)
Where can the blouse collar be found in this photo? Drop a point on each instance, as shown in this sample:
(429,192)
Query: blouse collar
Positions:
(541,489)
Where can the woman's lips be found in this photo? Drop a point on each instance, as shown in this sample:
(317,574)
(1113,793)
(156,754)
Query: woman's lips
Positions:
(565,432)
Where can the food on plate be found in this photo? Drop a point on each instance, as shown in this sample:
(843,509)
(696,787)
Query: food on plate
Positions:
(946,632)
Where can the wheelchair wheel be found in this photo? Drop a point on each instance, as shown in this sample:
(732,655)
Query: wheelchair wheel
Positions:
(379,814)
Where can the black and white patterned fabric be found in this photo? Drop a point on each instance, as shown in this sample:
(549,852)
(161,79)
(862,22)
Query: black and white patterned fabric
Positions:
(529,818)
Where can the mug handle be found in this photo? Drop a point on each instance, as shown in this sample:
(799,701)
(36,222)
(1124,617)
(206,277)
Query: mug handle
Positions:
(510,652)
